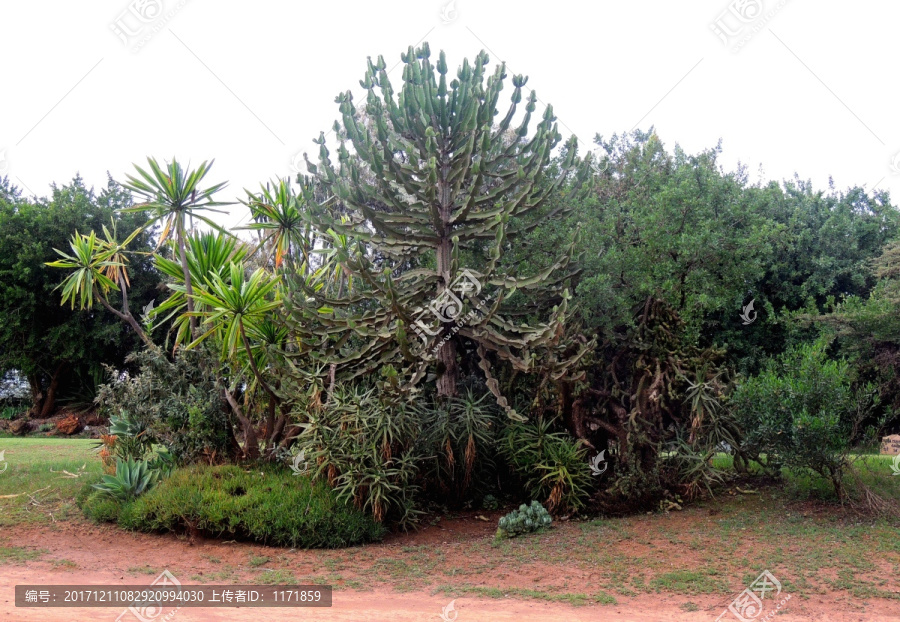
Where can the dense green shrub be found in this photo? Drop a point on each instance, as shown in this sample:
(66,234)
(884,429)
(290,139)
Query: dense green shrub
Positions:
(270,506)
(458,442)
(364,446)
(175,403)
(100,507)
(803,412)
(526,519)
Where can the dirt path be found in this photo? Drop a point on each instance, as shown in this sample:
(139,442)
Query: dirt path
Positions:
(80,553)
(413,607)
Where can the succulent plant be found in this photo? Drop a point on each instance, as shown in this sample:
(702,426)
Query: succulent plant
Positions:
(526,519)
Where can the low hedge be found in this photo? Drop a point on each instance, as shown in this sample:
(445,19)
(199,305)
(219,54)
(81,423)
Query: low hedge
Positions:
(268,505)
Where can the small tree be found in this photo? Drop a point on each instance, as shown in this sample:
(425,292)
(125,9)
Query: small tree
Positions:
(802,412)
(172,196)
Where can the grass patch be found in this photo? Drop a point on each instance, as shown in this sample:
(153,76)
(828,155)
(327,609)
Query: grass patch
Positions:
(64,563)
(276,577)
(518,592)
(18,554)
(689,582)
(30,464)
(266,505)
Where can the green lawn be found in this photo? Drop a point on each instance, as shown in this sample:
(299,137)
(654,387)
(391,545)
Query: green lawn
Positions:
(34,466)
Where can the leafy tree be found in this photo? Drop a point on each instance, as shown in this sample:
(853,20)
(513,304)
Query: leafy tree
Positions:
(60,351)
(803,412)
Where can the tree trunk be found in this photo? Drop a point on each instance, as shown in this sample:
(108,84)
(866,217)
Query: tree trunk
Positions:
(37,395)
(270,420)
(251,441)
(188,286)
(448,370)
(49,405)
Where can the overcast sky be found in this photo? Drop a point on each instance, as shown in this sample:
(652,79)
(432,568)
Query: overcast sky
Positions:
(788,85)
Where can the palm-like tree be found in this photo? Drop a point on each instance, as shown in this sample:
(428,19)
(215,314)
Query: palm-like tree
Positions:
(98,267)
(278,215)
(172,195)
(231,307)
(206,253)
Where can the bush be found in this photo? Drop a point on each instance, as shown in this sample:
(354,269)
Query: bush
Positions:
(527,519)
(802,412)
(176,403)
(458,441)
(100,507)
(365,447)
(270,506)
(552,465)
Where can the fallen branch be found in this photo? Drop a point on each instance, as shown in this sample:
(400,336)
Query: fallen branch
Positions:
(24,493)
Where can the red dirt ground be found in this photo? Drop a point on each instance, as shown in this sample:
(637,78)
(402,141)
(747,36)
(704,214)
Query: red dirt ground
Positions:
(107,555)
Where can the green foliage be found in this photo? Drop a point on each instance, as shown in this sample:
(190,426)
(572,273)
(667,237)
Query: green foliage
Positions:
(232,308)
(171,194)
(98,506)
(278,220)
(458,442)
(134,439)
(365,448)
(53,345)
(803,412)
(132,479)
(552,465)
(526,519)
(173,402)
(490,502)
(267,505)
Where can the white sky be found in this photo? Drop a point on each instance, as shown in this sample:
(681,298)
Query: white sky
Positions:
(814,91)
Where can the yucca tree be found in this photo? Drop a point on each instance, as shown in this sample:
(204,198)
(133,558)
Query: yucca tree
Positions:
(231,307)
(173,195)
(278,214)
(98,267)
(206,253)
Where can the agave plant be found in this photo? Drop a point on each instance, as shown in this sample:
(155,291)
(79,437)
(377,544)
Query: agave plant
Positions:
(133,437)
(132,479)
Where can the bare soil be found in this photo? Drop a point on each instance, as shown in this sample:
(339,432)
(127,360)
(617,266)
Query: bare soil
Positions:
(408,577)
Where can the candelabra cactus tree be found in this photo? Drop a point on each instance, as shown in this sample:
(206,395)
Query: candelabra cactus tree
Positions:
(434,190)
